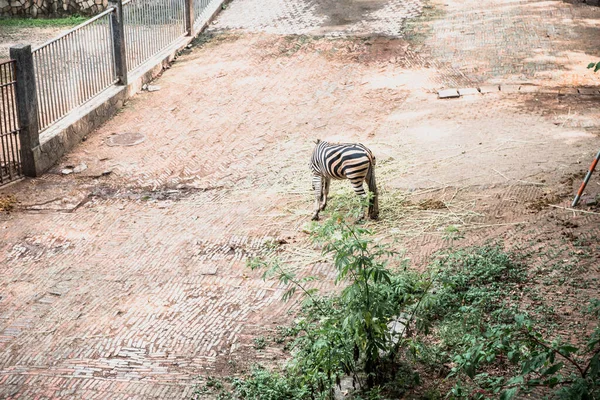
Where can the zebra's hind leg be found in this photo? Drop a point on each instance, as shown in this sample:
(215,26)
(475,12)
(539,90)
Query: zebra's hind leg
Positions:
(357,185)
(374,200)
(324,193)
(317,183)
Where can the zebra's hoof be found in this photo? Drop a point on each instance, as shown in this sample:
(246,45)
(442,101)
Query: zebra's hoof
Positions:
(315,218)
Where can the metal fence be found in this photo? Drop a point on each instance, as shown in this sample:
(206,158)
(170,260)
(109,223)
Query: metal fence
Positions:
(203,10)
(74,67)
(10,158)
(151,26)
(66,72)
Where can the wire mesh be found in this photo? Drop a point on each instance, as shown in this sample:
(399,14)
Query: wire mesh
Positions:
(73,68)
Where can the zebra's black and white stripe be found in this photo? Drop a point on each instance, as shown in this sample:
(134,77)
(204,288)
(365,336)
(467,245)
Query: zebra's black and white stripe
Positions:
(352,161)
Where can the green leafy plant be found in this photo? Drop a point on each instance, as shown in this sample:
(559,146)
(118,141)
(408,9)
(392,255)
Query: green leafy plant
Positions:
(595,66)
(260,343)
(346,334)
(495,350)
(530,361)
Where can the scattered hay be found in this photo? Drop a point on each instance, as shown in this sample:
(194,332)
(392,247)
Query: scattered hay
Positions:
(7,203)
(403,219)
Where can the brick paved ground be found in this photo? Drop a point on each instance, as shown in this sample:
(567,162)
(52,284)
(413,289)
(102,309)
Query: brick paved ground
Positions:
(516,41)
(321,17)
(131,284)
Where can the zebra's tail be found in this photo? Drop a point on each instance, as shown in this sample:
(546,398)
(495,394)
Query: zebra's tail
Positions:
(374,201)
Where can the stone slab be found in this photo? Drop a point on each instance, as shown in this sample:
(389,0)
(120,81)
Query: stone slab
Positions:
(489,89)
(529,89)
(548,90)
(588,91)
(510,88)
(448,94)
(468,91)
(565,91)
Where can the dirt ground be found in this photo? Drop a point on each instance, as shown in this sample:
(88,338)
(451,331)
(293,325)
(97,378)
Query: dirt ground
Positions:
(35,36)
(129,277)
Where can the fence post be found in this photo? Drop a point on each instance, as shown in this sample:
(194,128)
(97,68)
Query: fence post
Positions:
(189,17)
(27,106)
(118,31)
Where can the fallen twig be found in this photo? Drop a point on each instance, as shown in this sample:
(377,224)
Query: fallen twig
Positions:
(574,210)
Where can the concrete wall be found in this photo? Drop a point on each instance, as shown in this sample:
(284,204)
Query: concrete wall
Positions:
(38,8)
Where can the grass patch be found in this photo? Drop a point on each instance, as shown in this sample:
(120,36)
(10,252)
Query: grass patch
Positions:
(20,22)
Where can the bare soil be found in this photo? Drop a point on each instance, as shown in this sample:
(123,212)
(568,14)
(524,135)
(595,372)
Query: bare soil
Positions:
(12,35)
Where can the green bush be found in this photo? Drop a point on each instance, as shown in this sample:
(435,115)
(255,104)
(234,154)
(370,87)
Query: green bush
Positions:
(462,321)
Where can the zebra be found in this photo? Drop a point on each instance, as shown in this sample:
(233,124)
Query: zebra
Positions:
(352,161)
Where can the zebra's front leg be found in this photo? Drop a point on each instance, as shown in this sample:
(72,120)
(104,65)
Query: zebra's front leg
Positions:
(324,192)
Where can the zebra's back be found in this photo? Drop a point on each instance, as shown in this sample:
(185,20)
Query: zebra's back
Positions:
(342,160)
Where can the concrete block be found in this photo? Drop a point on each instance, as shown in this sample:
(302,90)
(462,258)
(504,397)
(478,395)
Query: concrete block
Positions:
(489,89)
(510,88)
(548,90)
(448,94)
(468,91)
(529,89)
(565,91)
(588,91)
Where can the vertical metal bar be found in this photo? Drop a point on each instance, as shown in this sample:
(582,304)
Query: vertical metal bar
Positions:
(48,78)
(10,140)
(88,65)
(84,67)
(72,76)
(153,19)
(4,127)
(146,32)
(101,60)
(58,69)
(80,68)
(76,66)
(51,84)
(108,61)
(42,89)
(95,61)
(139,9)
(111,50)
(161,27)
(13,109)
(131,35)
(38,74)
(134,28)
